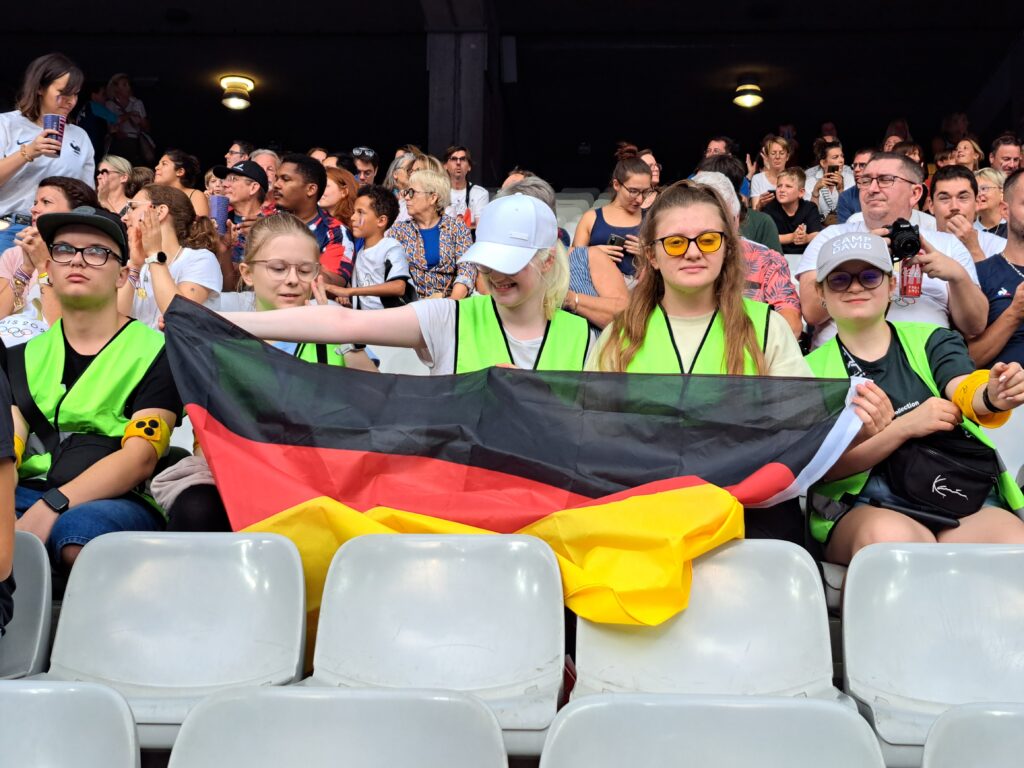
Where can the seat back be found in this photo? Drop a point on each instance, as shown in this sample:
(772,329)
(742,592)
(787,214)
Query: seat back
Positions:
(24,649)
(325,728)
(615,730)
(927,626)
(984,735)
(756,623)
(58,724)
(183,613)
(471,613)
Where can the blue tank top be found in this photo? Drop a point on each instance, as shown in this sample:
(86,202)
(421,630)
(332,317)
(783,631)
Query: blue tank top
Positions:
(602,230)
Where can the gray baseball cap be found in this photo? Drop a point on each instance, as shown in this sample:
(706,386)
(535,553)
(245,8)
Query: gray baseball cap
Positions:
(853,246)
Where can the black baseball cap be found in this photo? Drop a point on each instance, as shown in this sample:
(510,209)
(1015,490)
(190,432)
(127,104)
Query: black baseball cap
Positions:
(246,168)
(85,216)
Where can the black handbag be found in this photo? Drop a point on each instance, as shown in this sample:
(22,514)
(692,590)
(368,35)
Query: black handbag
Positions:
(943,474)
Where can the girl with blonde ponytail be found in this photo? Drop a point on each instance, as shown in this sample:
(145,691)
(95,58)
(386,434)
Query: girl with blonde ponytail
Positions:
(687,313)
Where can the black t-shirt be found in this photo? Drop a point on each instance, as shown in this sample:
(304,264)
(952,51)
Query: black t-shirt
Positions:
(6,454)
(947,359)
(806,213)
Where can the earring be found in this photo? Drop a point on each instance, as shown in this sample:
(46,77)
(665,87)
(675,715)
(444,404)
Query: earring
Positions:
(823,304)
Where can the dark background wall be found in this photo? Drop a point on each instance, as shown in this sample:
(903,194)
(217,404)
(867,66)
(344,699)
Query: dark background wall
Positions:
(583,74)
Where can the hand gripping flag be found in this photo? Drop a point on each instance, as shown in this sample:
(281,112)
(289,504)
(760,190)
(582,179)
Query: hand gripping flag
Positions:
(628,477)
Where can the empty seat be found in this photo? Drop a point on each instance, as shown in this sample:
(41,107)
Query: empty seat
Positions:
(24,649)
(927,627)
(479,614)
(46,724)
(170,618)
(324,728)
(976,736)
(616,730)
(756,624)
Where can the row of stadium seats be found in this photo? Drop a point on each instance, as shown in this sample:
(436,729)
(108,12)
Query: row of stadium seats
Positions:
(91,726)
(169,619)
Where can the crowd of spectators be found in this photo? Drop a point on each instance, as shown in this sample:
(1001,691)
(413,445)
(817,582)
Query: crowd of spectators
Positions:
(906,273)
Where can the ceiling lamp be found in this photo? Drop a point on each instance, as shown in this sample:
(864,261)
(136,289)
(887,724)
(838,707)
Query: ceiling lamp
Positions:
(236,91)
(748,93)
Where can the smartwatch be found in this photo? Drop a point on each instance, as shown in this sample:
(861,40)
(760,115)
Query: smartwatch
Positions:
(159,257)
(56,500)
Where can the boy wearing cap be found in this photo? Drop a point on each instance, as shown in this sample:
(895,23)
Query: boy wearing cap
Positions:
(907,482)
(94,399)
(520,324)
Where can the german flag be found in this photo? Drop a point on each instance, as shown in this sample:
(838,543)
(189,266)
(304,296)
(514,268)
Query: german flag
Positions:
(628,477)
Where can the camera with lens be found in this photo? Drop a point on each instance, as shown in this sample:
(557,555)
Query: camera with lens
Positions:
(904,240)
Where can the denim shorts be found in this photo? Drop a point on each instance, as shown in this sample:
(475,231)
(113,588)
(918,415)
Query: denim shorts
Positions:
(84,522)
(878,493)
(7,236)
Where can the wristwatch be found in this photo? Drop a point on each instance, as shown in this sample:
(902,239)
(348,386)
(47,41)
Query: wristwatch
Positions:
(158,258)
(56,500)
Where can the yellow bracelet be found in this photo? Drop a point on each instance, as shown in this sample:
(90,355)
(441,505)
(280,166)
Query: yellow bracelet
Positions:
(19,450)
(963,399)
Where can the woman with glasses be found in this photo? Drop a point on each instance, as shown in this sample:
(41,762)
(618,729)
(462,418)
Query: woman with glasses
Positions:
(612,229)
(775,152)
(27,306)
(687,313)
(397,179)
(30,153)
(179,170)
(520,324)
(433,241)
(281,268)
(930,474)
(113,178)
(647,155)
(171,252)
(990,198)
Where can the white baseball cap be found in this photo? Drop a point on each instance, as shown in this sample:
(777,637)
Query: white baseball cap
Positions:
(853,246)
(510,232)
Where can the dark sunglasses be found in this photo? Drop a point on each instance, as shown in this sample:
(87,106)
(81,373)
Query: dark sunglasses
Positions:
(839,282)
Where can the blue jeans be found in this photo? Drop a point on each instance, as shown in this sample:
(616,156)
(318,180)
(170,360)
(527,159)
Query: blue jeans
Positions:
(84,522)
(7,235)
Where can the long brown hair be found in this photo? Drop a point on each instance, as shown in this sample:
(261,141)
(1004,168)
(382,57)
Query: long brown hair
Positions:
(345,207)
(629,328)
(192,231)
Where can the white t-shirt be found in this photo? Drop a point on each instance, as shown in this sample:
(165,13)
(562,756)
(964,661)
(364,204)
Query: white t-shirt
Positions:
(828,199)
(372,264)
(919,219)
(932,306)
(75,160)
(782,352)
(437,324)
(192,265)
(991,245)
(759,185)
(478,199)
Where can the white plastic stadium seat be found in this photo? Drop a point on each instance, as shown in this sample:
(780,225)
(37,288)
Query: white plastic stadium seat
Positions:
(480,614)
(24,649)
(756,624)
(982,735)
(400,360)
(616,730)
(324,728)
(85,725)
(172,617)
(1009,441)
(592,191)
(927,627)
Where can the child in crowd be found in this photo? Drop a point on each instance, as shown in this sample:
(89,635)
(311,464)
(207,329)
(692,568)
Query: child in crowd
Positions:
(380,276)
(798,220)
(282,268)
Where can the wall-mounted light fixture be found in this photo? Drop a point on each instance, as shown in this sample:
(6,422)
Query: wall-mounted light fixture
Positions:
(236,91)
(748,93)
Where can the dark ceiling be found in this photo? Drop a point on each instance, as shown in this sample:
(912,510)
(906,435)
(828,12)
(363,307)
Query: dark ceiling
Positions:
(586,73)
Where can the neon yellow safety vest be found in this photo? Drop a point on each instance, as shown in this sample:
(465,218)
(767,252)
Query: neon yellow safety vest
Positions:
(96,402)
(327,354)
(481,341)
(659,353)
(827,363)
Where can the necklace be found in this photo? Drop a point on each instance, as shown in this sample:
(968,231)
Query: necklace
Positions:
(1014,268)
